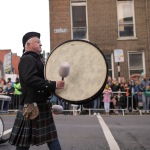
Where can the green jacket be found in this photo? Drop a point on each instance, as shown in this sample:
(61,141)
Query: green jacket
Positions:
(17,87)
(147,93)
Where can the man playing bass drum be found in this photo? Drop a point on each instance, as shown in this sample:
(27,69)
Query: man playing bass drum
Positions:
(35,89)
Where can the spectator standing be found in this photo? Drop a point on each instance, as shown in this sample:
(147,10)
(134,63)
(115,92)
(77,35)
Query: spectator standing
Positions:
(109,81)
(17,87)
(128,97)
(140,101)
(9,81)
(144,82)
(136,86)
(122,89)
(106,99)
(133,100)
(3,85)
(17,93)
(147,94)
(1,89)
(114,101)
(96,104)
(115,85)
(119,98)
(9,89)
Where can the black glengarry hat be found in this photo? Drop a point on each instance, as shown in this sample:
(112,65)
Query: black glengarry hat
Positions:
(29,35)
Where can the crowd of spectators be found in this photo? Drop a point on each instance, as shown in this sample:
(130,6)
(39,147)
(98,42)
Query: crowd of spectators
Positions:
(130,95)
(8,87)
(11,89)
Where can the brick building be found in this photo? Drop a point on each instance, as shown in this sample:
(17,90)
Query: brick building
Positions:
(110,24)
(15,61)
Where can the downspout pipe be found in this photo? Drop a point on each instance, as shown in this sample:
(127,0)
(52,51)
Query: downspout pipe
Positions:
(148,32)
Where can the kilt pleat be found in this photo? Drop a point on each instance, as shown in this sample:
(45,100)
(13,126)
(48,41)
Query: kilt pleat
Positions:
(34,132)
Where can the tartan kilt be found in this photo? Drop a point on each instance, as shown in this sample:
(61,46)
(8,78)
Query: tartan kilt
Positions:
(34,132)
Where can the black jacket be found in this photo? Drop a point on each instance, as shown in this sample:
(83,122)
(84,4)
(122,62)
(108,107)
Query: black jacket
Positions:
(31,73)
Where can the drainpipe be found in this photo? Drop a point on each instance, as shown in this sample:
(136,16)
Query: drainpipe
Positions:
(148,32)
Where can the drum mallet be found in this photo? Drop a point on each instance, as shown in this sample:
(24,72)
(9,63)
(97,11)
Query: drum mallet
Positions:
(64,70)
(57,109)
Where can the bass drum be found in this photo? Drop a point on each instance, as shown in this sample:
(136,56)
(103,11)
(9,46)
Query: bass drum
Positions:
(88,70)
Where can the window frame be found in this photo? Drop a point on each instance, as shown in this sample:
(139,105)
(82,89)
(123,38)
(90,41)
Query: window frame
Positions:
(134,28)
(143,61)
(78,3)
(112,64)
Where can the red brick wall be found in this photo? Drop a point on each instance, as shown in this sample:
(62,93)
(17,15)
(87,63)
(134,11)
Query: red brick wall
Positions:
(103,28)
(15,59)
(15,62)
(59,18)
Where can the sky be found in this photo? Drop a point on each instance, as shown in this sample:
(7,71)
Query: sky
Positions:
(18,17)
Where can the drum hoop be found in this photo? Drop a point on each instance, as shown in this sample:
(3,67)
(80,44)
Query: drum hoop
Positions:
(1,120)
(100,90)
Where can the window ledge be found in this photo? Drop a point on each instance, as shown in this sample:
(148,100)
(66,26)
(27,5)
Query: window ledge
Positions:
(127,38)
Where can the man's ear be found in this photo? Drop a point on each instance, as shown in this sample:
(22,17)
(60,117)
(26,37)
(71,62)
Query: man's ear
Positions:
(28,44)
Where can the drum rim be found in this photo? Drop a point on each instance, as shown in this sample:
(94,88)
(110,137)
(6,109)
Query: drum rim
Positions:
(100,90)
(2,127)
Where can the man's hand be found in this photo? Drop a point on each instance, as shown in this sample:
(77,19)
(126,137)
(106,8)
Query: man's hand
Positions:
(60,84)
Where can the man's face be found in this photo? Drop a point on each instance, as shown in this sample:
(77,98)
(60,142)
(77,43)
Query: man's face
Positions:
(35,45)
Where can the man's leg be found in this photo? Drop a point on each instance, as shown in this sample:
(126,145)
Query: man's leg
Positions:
(54,145)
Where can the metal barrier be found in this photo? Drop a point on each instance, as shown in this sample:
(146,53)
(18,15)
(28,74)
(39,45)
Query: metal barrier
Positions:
(4,103)
(14,102)
(16,99)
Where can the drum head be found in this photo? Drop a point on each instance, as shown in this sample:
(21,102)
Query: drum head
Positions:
(88,70)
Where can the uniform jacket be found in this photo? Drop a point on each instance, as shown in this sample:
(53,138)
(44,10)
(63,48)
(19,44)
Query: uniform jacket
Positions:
(31,73)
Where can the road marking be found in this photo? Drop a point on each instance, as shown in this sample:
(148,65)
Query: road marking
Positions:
(109,137)
(7,131)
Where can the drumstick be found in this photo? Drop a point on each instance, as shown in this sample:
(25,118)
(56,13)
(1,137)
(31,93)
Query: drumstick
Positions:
(64,70)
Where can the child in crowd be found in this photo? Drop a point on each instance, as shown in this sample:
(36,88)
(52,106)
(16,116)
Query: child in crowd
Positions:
(128,97)
(147,91)
(114,100)
(119,100)
(106,98)
(9,89)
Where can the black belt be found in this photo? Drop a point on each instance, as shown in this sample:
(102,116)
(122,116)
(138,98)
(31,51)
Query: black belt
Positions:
(21,106)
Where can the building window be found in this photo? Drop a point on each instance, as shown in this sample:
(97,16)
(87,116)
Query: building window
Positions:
(79,20)
(136,63)
(109,61)
(126,23)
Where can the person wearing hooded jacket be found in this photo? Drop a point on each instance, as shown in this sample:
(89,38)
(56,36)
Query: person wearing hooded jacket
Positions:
(142,86)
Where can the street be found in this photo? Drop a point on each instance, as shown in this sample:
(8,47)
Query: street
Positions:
(84,132)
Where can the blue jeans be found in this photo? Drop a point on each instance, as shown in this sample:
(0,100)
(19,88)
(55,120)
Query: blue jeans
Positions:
(146,101)
(53,145)
(96,104)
